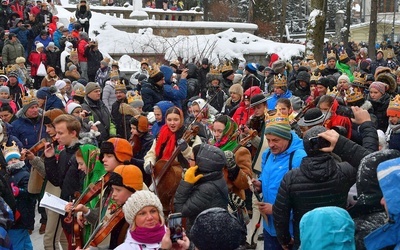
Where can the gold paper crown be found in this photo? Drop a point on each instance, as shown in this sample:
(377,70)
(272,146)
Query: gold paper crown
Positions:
(353,95)
(28,99)
(380,50)
(394,106)
(310,57)
(360,78)
(2,71)
(73,52)
(277,119)
(315,76)
(115,63)
(334,91)
(114,73)
(313,64)
(9,68)
(280,81)
(144,61)
(13,149)
(155,69)
(226,67)
(133,96)
(390,54)
(321,66)
(120,86)
(304,63)
(107,60)
(175,62)
(343,56)
(80,92)
(214,70)
(72,19)
(331,54)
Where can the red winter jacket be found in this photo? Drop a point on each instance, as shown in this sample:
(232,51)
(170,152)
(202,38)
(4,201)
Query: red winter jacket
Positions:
(82,44)
(35,59)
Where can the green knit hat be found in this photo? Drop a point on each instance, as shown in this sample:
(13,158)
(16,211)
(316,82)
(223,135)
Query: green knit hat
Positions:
(278,125)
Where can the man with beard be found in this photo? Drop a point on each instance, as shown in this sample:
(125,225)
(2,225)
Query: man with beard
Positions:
(330,68)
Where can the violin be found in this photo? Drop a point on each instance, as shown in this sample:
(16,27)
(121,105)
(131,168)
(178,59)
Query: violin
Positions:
(104,228)
(168,174)
(136,144)
(91,191)
(243,142)
(39,146)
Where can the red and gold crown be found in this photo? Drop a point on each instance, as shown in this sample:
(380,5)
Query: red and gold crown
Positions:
(226,67)
(343,55)
(280,81)
(28,99)
(394,107)
(359,78)
(315,76)
(331,54)
(277,119)
(353,95)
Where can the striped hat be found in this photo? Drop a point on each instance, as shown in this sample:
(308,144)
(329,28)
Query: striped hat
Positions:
(278,125)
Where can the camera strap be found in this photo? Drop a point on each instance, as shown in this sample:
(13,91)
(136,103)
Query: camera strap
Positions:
(290,158)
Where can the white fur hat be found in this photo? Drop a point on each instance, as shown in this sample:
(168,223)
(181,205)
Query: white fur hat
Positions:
(138,201)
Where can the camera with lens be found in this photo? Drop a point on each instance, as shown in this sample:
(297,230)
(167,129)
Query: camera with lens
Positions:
(317,142)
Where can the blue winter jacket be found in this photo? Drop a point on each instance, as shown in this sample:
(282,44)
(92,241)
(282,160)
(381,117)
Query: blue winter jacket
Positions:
(28,130)
(273,169)
(56,38)
(271,102)
(328,228)
(388,234)
(174,95)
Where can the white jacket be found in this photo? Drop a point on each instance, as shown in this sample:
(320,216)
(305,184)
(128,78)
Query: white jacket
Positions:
(131,244)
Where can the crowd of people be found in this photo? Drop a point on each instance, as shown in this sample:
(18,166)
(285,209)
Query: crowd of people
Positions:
(312,149)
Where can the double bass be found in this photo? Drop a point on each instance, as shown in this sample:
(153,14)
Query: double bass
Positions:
(168,174)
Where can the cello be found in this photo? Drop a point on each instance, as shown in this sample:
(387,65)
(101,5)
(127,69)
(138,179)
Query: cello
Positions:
(168,174)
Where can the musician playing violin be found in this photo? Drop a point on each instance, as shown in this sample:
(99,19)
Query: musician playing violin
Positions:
(125,180)
(168,139)
(63,171)
(53,234)
(141,141)
(87,158)
(238,168)
(113,152)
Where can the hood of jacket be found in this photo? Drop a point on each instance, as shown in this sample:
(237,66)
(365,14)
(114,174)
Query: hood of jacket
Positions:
(318,168)
(192,71)
(210,158)
(328,228)
(389,179)
(167,71)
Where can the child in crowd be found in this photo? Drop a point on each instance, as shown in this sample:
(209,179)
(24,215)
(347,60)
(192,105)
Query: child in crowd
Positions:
(393,130)
(18,177)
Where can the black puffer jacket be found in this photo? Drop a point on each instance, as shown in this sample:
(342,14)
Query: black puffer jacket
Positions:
(210,191)
(151,94)
(320,181)
(193,84)
(380,106)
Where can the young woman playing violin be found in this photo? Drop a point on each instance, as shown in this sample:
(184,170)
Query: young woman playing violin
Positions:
(113,153)
(169,138)
(87,156)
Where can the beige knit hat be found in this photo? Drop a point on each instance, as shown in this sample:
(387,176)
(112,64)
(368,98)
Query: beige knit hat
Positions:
(137,202)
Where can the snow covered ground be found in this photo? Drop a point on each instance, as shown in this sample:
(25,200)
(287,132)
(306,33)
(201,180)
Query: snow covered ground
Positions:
(218,48)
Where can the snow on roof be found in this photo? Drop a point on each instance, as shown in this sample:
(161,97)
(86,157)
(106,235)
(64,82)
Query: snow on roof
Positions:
(218,47)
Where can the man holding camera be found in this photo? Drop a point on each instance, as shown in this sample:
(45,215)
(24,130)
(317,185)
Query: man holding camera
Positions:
(285,153)
(319,181)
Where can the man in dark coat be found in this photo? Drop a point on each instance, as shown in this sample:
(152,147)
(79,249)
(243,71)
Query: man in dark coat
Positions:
(99,112)
(301,86)
(121,121)
(153,90)
(203,71)
(94,57)
(320,181)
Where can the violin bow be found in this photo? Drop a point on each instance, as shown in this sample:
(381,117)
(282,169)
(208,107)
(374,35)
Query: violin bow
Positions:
(91,237)
(42,120)
(204,107)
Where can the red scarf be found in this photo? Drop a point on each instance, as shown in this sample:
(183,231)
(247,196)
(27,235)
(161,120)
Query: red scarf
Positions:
(148,235)
(167,137)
